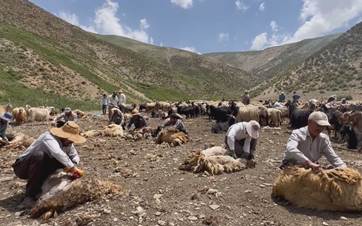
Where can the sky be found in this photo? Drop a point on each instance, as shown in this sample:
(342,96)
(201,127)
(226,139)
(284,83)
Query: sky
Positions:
(204,26)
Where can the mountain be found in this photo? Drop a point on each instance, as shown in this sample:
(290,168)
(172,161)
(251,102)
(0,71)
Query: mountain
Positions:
(334,69)
(45,60)
(267,63)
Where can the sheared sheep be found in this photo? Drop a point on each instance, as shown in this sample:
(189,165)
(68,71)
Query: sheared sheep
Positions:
(60,193)
(213,160)
(172,136)
(111,130)
(336,189)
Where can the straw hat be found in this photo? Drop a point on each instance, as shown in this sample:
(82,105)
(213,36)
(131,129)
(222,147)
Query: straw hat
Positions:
(71,131)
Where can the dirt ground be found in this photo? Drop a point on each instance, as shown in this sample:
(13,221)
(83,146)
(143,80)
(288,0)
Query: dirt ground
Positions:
(156,192)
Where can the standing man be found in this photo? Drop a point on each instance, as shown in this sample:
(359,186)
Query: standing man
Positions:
(307,144)
(53,150)
(295,97)
(104,103)
(245,99)
(241,139)
(112,103)
(4,121)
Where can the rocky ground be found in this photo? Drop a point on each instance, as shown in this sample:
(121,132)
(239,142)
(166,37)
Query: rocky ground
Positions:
(156,192)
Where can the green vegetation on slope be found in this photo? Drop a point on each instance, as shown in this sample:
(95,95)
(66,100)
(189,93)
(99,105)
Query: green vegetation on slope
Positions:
(47,49)
(12,91)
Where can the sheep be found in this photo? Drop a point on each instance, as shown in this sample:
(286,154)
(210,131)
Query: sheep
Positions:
(61,192)
(111,130)
(79,113)
(37,114)
(20,115)
(335,189)
(172,136)
(213,160)
(274,116)
(247,114)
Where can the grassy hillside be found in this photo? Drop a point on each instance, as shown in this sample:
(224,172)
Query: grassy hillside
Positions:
(334,69)
(57,58)
(270,62)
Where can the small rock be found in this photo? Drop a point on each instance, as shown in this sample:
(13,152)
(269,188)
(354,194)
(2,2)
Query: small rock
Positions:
(161,222)
(214,206)
(158,213)
(107,211)
(195,196)
(343,218)
(247,191)
(325,223)
(192,218)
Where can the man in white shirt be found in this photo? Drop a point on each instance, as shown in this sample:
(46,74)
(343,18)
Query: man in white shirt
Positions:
(104,103)
(241,139)
(53,150)
(307,144)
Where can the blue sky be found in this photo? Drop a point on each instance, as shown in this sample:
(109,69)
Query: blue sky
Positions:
(204,26)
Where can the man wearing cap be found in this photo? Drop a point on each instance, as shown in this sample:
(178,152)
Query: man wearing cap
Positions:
(117,116)
(137,120)
(176,122)
(307,144)
(65,116)
(4,121)
(241,139)
(53,150)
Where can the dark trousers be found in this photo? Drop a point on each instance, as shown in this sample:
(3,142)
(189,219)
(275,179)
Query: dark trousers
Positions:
(36,167)
(104,109)
(239,152)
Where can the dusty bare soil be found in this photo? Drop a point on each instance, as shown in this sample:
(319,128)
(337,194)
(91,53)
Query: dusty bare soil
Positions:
(158,193)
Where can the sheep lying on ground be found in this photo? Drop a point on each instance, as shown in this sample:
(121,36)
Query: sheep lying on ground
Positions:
(335,189)
(61,192)
(213,160)
(111,130)
(172,136)
(17,140)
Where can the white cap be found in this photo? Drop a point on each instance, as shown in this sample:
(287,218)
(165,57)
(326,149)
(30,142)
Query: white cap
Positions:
(320,118)
(253,128)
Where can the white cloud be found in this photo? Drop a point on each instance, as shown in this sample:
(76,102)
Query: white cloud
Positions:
(186,4)
(190,49)
(69,17)
(324,16)
(260,41)
(274,26)
(73,19)
(144,24)
(240,5)
(223,37)
(262,6)
(318,18)
(107,22)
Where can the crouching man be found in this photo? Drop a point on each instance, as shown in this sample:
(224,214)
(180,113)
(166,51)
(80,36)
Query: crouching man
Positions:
(307,144)
(53,150)
(241,139)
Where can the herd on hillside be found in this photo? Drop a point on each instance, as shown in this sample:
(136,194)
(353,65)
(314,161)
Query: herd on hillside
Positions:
(345,118)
